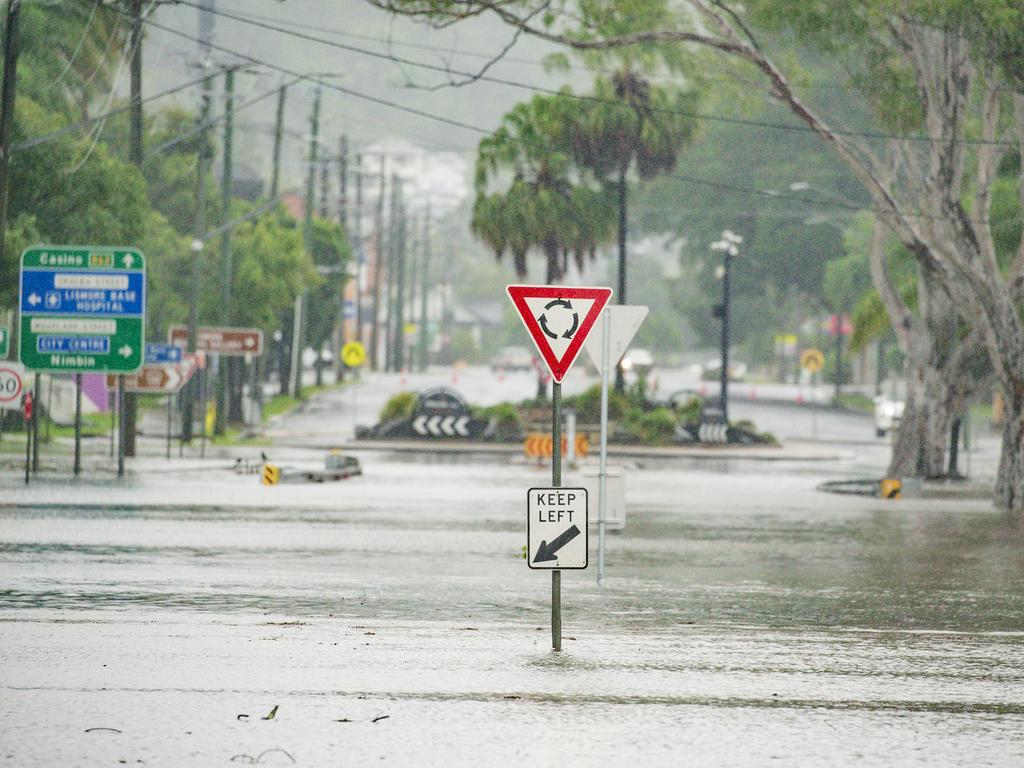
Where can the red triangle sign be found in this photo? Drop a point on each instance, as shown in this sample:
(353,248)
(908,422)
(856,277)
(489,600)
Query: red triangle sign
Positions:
(559,318)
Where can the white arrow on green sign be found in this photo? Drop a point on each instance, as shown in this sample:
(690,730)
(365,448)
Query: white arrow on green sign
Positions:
(83,309)
(5,341)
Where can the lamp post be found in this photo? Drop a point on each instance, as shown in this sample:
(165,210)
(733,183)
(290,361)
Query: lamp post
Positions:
(728,245)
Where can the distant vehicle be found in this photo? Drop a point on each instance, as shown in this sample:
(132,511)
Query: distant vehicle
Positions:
(639,361)
(309,357)
(888,415)
(737,370)
(513,359)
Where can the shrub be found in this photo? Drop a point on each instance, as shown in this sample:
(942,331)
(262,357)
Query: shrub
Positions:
(588,404)
(657,427)
(508,425)
(400,406)
(689,412)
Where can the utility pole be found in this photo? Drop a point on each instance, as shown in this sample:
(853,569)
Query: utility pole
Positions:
(225,246)
(129,401)
(398,260)
(307,237)
(325,187)
(343,221)
(275,178)
(343,181)
(378,262)
(10,79)
(196,385)
(357,239)
(424,278)
(620,381)
(413,255)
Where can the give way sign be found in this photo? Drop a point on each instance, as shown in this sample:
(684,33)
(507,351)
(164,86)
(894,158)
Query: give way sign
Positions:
(558,318)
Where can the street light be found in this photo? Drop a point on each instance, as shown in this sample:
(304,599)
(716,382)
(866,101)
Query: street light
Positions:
(728,245)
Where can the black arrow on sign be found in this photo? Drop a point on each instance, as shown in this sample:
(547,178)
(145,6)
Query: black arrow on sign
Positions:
(546,552)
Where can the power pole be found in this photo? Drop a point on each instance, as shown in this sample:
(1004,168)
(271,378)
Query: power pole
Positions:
(10,80)
(620,381)
(307,237)
(129,401)
(343,221)
(400,230)
(424,277)
(357,239)
(390,321)
(197,385)
(325,187)
(343,181)
(225,246)
(278,136)
(378,262)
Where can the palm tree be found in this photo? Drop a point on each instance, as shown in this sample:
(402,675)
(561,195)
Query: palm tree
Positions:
(546,206)
(630,123)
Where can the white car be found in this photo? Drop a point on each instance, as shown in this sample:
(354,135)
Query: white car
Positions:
(513,359)
(888,414)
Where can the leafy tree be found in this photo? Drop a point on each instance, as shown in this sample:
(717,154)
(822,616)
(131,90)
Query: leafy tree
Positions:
(545,206)
(331,257)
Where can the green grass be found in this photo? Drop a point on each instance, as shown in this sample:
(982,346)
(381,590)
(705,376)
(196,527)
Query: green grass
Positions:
(93,425)
(856,401)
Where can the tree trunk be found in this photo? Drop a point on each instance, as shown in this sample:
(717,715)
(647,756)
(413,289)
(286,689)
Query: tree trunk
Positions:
(920,447)
(1010,480)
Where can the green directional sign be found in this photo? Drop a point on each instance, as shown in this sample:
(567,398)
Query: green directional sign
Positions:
(83,309)
(5,341)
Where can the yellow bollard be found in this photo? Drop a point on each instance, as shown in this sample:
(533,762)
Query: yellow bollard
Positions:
(271,474)
(892,488)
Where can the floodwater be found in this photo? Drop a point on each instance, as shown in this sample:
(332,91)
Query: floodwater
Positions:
(747,619)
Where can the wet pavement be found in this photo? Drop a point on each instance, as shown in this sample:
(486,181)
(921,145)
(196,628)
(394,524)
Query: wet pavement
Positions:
(747,619)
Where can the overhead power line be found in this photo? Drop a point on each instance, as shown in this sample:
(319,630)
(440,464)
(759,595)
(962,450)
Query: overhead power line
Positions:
(37,140)
(485,132)
(477,76)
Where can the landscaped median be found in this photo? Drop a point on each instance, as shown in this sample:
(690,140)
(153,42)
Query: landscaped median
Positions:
(633,420)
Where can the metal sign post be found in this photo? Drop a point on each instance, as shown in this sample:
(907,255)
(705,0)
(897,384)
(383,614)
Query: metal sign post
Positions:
(602,496)
(556,480)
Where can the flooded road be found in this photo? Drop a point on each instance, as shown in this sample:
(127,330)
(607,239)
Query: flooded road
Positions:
(747,619)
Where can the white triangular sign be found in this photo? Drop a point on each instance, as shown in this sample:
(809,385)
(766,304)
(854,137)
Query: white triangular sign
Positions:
(626,320)
(558,319)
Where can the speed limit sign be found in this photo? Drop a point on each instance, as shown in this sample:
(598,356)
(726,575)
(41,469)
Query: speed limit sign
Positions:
(12,378)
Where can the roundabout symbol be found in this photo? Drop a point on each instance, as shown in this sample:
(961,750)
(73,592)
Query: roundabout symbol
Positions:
(543,320)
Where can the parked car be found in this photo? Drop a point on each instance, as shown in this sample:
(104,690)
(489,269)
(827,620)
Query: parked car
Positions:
(888,414)
(512,359)
(309,357)
(737,370)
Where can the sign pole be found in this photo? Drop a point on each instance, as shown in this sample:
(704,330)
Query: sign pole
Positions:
(112,403)
(170,399)
(35,425)
(120,426)
(78,424)
(602,492)
(556,480)
(28,441)
(814,406)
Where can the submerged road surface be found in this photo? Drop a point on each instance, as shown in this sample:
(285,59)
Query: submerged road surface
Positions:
(193,617)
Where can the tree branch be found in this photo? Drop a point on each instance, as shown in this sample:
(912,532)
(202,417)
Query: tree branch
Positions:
(989,156)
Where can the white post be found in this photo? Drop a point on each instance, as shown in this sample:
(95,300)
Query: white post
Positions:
(570,436)
(602,488)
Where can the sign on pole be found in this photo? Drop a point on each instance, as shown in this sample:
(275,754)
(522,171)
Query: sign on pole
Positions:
(812,360)
(12,385)
(353,354)
(625,322)
(558,319)
(5,341)
(556,528)
(220,341)
(83,309)
(157,354)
